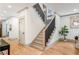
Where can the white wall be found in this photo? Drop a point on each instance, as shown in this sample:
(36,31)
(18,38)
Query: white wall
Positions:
(33,24)
(15,27)
(41,5)
(14,33)
(65,20)
(4,28)
(55,36)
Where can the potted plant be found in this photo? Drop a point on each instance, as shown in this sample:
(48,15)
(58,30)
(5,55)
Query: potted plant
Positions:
(64,31)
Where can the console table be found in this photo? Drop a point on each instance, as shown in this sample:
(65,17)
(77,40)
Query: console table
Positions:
(4,46)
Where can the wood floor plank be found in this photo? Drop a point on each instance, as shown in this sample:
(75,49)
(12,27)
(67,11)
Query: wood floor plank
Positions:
(60,48)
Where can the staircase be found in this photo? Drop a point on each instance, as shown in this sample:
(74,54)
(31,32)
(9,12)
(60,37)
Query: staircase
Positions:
(46,33)
(39,42)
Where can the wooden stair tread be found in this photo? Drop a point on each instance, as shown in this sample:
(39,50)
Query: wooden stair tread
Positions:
(35,43)
(40,38)
(40,35)
(37,47)
(39,42)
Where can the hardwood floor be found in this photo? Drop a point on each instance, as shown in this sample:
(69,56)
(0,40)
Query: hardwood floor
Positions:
(18,49)
(60,48)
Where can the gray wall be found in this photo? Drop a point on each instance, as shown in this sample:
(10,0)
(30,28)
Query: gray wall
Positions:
(65,20)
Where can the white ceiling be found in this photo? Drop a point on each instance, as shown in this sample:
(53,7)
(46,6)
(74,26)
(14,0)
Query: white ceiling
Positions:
(11,11)
(60,8)
(64,8)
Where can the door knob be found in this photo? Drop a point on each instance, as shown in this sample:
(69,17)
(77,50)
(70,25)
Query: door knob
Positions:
(23,32)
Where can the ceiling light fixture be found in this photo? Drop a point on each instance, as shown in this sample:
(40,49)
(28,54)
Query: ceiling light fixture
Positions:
(75,10)
(9,6)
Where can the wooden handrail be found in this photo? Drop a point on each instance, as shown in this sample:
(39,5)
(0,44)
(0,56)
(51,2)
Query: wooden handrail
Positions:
(49,23)
(44,29)
(49,29)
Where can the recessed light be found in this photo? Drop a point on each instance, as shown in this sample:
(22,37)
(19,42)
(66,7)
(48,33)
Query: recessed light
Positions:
(5,11)
(9,6)
(75,10)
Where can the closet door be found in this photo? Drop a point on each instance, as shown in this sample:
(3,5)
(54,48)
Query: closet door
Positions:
(21,31)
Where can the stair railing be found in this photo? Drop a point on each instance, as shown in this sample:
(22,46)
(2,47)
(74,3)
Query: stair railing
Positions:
(49,29)
(40,11)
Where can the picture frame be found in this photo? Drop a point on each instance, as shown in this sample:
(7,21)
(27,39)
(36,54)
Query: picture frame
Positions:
(74,21)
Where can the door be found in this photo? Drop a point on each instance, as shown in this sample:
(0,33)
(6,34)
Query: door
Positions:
(22,31)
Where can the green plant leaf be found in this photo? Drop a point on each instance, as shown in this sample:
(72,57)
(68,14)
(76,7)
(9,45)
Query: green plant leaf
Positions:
(64,31)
